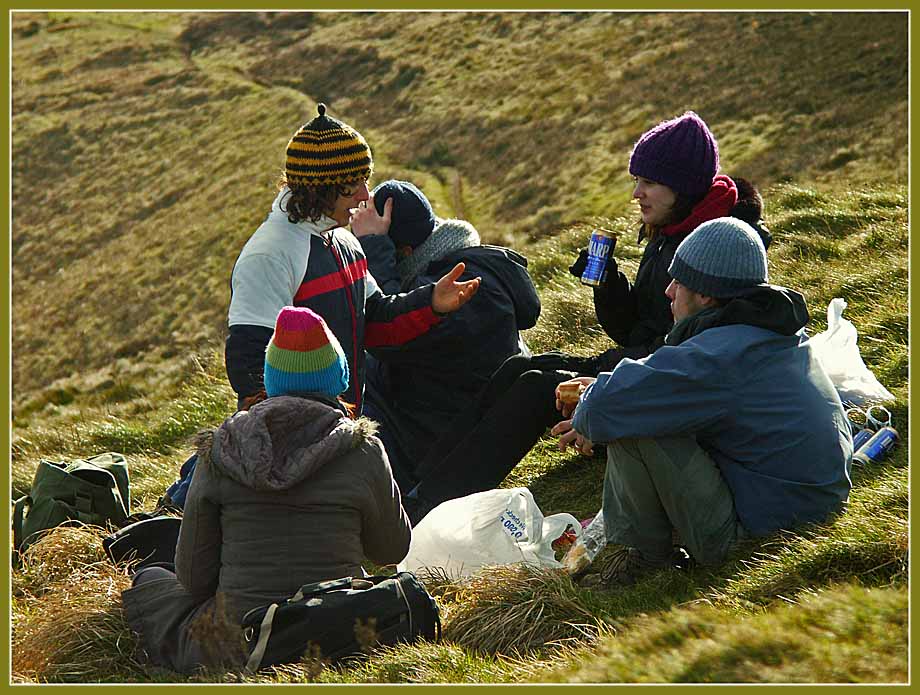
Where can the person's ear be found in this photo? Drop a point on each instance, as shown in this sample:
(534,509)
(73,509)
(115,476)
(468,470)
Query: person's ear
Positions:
(708,301)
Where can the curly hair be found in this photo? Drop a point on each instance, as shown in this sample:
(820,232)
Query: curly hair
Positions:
(311,202)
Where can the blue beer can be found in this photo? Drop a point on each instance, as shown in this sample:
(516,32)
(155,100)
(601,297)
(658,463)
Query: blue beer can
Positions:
(600,249)
(861,437)
(877,447)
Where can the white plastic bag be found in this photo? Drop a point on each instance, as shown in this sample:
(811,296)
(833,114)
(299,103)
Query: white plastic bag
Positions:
(495,527)
(838,352)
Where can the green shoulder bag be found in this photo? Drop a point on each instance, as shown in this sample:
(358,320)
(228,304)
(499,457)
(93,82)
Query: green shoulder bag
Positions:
(94,491)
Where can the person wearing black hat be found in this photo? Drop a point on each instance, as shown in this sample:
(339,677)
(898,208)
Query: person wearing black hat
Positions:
(732,429)
(415,390)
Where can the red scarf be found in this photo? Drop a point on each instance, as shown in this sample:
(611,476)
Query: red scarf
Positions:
(719,200)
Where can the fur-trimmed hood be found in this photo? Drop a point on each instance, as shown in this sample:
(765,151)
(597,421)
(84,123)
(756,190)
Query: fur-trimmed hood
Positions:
(281,441)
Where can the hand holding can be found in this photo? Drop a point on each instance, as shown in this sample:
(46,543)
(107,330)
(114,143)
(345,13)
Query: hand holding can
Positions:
(600,249)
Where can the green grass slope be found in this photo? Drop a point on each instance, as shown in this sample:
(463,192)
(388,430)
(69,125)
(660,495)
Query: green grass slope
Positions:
(145,146)
(145,150)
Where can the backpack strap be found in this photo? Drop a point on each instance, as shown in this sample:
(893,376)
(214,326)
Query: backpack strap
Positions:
(320,588)
(265,631)
(402,594)
(18,510)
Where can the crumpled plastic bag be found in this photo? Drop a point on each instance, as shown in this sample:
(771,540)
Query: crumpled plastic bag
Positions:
(495,527)
(838,353)
(592,542)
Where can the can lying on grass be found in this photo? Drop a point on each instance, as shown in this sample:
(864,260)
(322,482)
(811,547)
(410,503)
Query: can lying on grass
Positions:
(877,447)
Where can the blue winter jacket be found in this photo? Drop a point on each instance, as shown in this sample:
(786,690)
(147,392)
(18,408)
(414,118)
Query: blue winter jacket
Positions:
(757,401)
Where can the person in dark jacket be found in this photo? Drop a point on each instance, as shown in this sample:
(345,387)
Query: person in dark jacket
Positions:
(675,165)
(731,429)
(417,389)
(290,492)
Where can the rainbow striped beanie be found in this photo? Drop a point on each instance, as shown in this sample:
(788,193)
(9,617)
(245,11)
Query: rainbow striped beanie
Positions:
(326,151)
(304,356)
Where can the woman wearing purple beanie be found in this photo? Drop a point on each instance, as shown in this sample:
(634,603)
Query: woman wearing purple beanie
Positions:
(675,167)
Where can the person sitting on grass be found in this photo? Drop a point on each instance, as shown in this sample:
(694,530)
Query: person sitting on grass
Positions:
(675,166)
(731,430)
(290,492)
(302,255)
(417,389)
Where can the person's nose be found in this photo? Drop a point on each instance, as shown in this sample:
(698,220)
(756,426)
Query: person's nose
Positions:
(669,291)
(363,193)
(637,191)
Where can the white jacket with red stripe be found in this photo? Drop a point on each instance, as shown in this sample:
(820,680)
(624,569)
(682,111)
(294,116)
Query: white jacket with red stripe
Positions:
(321,266)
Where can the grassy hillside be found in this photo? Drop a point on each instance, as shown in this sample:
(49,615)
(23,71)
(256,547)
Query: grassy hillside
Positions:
(145,146)
(145,151)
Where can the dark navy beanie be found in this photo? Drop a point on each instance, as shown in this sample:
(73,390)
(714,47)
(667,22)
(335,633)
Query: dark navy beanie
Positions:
(412,220)
(721,258)
(681,153)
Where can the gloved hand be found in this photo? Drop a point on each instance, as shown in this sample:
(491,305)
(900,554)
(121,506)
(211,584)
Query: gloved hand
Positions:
(550,361)
(578,267)
(586,366)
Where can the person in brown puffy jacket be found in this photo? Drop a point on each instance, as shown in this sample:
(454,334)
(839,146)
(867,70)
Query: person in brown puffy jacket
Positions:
(290,492)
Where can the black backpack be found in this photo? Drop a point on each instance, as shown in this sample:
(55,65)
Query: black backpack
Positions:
(337,616)
(150,539)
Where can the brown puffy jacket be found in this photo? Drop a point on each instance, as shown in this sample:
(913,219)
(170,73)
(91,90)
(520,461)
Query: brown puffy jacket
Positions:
(289,492)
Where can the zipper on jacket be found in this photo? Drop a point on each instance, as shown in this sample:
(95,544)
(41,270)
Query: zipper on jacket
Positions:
(354,320)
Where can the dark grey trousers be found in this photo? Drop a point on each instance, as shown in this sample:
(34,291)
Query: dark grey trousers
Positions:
(655,485)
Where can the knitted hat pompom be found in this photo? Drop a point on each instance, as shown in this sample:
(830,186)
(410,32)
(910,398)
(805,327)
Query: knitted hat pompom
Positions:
(304,356)
(681,153)
(412,219)
(326,151)
(721,258)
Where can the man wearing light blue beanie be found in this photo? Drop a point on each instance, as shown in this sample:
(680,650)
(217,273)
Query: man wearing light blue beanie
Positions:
(730,430)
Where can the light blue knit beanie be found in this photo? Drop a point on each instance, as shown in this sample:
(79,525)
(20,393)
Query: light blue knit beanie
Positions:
(721,258)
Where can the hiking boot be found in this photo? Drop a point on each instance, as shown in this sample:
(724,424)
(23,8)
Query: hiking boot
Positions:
(629,565)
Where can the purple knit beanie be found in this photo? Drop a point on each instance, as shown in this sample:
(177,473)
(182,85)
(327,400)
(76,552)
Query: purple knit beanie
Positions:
(681,153)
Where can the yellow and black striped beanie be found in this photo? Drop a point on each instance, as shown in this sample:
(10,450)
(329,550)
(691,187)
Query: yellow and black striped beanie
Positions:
(326,151)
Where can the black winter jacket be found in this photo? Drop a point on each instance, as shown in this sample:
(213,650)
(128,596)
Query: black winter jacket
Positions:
(421,385)
(638,316)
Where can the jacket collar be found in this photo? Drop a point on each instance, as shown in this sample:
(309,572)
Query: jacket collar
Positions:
(774,308)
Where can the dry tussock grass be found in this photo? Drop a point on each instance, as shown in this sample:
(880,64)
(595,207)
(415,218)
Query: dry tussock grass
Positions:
(513,609)
(76,632)
(58,554)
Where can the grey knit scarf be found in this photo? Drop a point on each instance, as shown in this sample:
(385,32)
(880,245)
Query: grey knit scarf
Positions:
(448,236)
